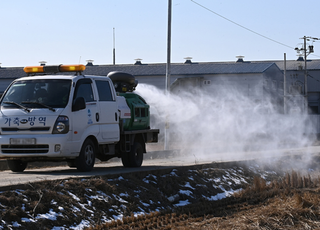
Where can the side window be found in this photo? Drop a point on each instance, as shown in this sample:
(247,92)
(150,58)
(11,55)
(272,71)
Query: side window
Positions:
(84,89)
(104,91)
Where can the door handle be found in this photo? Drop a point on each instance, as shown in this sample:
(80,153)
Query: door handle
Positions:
(97,117)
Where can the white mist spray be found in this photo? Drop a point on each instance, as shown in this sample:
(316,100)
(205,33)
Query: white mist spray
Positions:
(224,124)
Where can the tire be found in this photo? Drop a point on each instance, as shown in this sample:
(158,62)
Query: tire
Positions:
(85,161)
(125,159)
(17,165)
(135,157)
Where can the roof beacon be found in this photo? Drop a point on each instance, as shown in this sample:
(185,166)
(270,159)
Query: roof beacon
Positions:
(54,69)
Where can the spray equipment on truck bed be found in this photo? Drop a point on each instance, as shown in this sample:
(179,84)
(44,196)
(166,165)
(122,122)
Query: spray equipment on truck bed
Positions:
(125,84)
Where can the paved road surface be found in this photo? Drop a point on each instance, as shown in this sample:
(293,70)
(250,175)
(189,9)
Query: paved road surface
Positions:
(8,178)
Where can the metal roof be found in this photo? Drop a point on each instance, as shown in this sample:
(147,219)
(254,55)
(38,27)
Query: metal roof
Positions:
(294,64)
(12,72)
(200,68)
(181,69)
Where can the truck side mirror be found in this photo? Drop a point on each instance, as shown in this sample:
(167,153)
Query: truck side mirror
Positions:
(78,104)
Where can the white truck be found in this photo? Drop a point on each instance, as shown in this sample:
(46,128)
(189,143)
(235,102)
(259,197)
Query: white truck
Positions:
(48,116)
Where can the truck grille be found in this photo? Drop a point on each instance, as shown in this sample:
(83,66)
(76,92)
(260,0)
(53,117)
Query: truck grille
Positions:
(34,129)
(18,149)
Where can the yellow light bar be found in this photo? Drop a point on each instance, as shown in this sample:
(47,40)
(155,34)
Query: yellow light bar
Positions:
(54,69)
(72,68)
(33,69)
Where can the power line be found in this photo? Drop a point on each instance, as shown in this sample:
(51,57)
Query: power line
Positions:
(241,25)
(313,78)
(315,55)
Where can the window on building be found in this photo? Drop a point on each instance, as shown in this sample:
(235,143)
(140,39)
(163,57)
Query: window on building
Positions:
(274,84)
(206,82)
(313,110)
(281,85)
(266,83)
(295,88)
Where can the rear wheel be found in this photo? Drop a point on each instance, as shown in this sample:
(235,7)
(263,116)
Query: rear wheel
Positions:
(17,165)
(125,160)
(85,161)
(135,157)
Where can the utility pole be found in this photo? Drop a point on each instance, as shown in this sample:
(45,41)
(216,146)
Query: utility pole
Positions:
(114,47)
(168,74)
(285,84)
(305,74)
(306,51)
(168,67)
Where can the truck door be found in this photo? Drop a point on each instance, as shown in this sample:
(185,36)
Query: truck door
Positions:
(85,121)
(108,111)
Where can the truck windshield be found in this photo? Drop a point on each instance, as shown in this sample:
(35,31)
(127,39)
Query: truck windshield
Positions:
(42,93)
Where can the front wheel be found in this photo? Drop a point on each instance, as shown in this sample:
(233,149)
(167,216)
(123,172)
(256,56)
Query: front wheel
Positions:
(17,165)
(85,161)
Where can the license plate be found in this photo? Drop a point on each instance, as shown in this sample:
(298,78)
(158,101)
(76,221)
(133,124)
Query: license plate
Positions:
(22,141)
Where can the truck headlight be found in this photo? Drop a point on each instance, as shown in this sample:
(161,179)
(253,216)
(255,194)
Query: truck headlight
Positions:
(61,125)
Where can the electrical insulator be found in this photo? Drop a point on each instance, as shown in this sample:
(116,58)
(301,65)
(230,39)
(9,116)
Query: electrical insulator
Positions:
(311,49)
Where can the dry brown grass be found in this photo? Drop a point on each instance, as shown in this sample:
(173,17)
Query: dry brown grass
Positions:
(291,203)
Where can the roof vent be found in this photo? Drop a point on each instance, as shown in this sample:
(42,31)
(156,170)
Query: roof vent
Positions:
(188,60)
(240,58)
(300,58)
(42,63)
(89,62)
(138,61)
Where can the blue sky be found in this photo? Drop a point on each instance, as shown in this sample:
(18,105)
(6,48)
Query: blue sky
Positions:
(73,31)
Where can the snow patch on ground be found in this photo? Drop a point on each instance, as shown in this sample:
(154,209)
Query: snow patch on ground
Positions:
(153,193)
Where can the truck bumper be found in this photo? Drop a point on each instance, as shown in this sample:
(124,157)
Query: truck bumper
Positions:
(37,146)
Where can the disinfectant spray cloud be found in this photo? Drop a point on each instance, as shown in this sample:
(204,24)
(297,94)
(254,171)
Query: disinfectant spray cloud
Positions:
(225,121)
